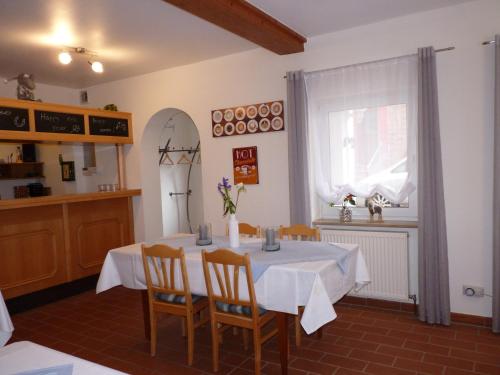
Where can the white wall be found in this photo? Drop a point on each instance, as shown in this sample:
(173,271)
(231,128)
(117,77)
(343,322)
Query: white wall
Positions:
(466,107)
(47,93)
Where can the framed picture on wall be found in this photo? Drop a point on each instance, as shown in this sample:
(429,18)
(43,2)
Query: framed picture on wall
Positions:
(245,165)
(68,171)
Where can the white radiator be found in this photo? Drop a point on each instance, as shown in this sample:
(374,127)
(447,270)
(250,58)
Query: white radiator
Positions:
(386,255)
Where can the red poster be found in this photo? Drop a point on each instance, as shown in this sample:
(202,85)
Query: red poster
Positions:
(245,166)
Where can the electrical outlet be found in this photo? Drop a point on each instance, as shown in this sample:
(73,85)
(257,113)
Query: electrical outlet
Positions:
(473,291)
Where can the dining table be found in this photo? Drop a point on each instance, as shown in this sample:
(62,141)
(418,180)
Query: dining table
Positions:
(28,358)
(315,277)
(6,326)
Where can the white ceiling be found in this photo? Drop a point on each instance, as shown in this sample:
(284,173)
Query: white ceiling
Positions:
(134,37)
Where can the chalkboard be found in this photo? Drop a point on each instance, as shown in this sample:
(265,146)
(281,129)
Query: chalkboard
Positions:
(16,119)
(115,127)
(56,122)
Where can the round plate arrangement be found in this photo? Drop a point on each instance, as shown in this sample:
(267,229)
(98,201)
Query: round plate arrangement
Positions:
(218,129)
(228,115)
(276,108)
(263,110)
(251,111)
(241,127)
(277,123)
(229,128)
(252,126)
(217,116)
(264,125)
(239,113)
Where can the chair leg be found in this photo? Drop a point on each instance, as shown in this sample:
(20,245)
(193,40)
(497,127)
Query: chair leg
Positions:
(298,331)
(215,345)
(152,323)
(245,338)
(190,336)
(257,346)
(183,326)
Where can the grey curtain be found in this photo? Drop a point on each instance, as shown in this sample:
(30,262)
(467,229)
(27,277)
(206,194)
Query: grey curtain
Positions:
(496,194)
(300,204)
(434,291)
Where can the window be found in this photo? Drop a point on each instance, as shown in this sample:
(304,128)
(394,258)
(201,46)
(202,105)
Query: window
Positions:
(369,146)
(362,132)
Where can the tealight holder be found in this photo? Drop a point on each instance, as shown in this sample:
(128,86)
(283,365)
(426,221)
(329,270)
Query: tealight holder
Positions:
(270,239)
(204,235)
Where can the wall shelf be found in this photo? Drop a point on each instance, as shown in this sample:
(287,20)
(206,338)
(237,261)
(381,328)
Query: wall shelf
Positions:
(18,171)
(23,120)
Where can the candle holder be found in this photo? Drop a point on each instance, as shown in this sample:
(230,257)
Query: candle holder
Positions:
(270,239)
(204,237)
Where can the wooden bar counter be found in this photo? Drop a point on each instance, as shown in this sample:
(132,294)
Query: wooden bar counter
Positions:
(47,241)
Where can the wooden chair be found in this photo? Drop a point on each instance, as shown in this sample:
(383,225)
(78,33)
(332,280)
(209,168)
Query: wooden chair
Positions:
(165,297)
(300,232)
(226,307)
(247,230)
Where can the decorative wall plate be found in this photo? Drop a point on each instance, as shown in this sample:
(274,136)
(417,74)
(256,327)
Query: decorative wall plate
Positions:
(276,108)
(277,123)
(252,126)
(263,110)
(228,115)
(229,128)
(241,127)
(251,111)
(217,116)
(264,125)
(240,113)
(218,129)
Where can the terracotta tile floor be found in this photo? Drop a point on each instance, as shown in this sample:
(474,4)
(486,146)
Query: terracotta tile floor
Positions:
(107,329)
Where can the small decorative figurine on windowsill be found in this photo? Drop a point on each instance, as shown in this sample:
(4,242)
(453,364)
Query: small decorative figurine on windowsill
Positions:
(374,208)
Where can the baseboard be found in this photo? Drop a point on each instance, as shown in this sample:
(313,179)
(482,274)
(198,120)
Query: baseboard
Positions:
(410,307)
(42,297)
(381,304)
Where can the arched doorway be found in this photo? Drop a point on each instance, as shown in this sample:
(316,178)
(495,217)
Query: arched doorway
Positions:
(172,190)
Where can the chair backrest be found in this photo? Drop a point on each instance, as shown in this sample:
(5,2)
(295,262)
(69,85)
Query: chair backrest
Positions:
(230,263)
(246,230)
(249,230)
(300,232)
(163,260)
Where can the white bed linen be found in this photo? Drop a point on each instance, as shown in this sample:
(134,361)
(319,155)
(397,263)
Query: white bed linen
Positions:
(26,355)
(315,285)
(6,327)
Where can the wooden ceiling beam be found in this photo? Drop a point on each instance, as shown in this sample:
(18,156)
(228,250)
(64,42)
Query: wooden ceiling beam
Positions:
(243,19)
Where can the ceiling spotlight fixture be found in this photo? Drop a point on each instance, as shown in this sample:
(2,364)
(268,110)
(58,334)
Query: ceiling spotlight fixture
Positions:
(65,57)
(97,66)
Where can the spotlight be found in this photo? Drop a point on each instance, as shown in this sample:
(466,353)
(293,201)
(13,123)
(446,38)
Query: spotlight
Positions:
(97,66)
(65,58)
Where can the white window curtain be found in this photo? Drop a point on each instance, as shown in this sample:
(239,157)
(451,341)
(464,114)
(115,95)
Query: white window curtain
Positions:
(363,129)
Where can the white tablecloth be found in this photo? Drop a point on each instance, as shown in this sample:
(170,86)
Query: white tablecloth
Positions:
(25,356)
(6,326)
(315,285)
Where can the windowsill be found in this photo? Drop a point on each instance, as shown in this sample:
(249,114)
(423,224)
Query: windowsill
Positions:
(368,223)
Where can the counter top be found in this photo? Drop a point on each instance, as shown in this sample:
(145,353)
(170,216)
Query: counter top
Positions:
(368,223)
(68,198)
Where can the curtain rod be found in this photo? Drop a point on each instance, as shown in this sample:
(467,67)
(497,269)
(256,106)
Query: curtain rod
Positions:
(437,50)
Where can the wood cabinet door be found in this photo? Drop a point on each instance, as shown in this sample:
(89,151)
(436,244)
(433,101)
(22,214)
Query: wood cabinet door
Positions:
(95,227)
(32,252)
